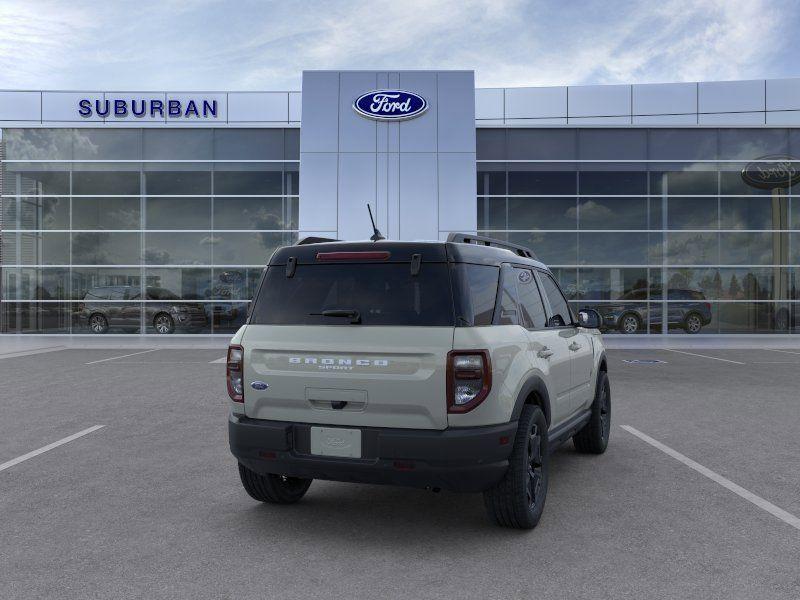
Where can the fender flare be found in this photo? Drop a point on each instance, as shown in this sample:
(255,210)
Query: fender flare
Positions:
(534,384)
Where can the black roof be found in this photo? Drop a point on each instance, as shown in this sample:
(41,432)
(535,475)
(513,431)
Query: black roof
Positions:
(432,251)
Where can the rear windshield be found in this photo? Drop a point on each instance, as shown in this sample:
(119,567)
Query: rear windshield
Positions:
(382,294)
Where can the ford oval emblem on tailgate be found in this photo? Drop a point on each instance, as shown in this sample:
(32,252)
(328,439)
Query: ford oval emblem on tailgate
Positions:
(259,385)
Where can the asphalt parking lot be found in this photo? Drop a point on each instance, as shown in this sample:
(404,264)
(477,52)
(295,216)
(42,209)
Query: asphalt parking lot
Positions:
(150,505)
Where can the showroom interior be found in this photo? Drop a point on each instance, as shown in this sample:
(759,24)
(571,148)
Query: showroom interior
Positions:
(648,218)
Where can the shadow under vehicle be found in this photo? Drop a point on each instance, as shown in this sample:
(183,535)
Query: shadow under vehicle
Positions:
(691,313)
(109,307)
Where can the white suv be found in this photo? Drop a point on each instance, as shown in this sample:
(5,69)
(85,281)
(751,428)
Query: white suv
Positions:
(455,365)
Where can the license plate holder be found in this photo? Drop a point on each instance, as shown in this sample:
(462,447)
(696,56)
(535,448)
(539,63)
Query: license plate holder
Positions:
(336,441)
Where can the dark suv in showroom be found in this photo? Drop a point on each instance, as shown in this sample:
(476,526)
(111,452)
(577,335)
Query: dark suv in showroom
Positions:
(105,307)
(691,314)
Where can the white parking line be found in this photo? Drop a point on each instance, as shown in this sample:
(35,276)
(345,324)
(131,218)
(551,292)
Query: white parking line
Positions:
(224,359)
(43,449)
(94,362)
(716,477)
(784,351)
(736,362)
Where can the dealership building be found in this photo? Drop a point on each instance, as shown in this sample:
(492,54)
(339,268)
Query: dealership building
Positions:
(672,209)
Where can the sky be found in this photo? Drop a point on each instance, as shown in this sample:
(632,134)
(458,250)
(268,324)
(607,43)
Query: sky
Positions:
(207,45)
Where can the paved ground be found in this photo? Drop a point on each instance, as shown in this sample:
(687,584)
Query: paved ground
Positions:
(150,505)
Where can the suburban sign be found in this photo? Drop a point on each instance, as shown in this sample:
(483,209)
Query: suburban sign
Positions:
(390,105)
(770,172)
(149,107)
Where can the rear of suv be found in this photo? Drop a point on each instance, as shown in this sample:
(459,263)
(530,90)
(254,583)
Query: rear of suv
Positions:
(451,365)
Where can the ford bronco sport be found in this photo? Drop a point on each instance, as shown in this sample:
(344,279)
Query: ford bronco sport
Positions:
(451,365)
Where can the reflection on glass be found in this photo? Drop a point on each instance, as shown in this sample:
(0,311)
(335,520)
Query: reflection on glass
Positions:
(186,284)
(177,213)
(613,248)
(179,248)
(251,213)
(37,213)
(106,248)
(105,213)
(248,248)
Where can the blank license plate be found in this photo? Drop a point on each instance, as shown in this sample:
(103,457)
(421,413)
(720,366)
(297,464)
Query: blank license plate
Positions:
(332,441)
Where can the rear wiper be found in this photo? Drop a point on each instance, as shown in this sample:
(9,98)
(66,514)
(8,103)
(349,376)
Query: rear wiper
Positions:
(353,315)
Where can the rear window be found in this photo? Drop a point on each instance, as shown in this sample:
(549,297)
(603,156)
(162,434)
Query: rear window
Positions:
(476,293)
(383,294)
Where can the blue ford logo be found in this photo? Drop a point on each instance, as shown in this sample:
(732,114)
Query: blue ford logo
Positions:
(390,105)
(259,385)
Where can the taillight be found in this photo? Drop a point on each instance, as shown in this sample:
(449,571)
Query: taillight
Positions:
(235,373)
(371,255)
(469,379)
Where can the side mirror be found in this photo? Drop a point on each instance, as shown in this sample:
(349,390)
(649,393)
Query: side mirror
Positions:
(589,318)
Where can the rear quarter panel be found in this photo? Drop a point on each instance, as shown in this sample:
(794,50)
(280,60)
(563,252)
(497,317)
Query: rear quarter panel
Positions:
(511,366)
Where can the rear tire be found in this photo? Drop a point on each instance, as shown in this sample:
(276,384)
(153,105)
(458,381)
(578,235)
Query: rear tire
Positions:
(693,323)
(518,500)
(163,323)
(629,324)
(593,438)
(98,323)
(274,489)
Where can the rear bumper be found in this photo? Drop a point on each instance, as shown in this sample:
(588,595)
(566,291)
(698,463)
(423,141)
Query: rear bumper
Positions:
(469,459)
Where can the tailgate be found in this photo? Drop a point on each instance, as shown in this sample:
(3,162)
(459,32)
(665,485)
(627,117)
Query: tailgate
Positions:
(378,376)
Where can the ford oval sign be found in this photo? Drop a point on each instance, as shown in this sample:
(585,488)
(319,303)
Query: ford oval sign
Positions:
(259,385)
(390,105)
(770,172)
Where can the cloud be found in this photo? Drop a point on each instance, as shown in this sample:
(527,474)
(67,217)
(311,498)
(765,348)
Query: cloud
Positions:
(207,44)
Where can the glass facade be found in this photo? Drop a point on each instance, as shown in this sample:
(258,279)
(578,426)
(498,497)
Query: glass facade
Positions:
(656,229)
(141,230)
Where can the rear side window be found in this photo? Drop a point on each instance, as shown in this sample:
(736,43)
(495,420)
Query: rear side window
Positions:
(508,298)
(383,294)
(475,289)
(530,301)
(558,304)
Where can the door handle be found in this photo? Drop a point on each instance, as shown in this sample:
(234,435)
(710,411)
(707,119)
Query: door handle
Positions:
(575,346)
(545,352)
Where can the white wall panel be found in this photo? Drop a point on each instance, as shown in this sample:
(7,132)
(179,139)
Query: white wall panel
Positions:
(599,100)
(419,196)
(295,106)
(320,130)
(536,103)
(783,94)
(419,134)
(731,96)
(664,98)
(454,99)
(665,119)
(741,118)
(489,103)
(319,187)
(356,133)
(458,206)
(63,106)
(536,122)
(356,189)
(20,106)
(600,120)
(258,106)
(783,117)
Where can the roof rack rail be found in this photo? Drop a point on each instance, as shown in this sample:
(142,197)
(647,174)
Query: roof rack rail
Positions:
(479,240)
(314,240)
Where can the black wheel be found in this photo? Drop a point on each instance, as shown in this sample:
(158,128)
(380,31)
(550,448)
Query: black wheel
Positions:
(98,323)
(275,489)
(693,323)
(629,323)
(163,323)
(593,438)
(518,500)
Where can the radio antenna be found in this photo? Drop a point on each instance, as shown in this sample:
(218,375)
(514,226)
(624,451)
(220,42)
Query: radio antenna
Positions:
(376,235)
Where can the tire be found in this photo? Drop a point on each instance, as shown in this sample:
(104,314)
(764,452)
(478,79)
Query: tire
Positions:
(274,489)
(693,323)
(593,438)
(629,323)
(163,323)
(518,500)
(98,323)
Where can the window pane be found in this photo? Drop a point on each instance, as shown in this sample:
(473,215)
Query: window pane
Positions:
(612,213)
(613,248)
(541,144)
(178,183)
(753,248)
(752,143)
(38,144)
(251,182)
(692,248)
(541,182)
(106,248)
(491,144)
(35,182)
(492,213)
(707,282)
(105,283)
(530,301)
(491,182)
(509,313)
(116,183)
(612,144)
(683,144)
(551,248)
(179,248)
(46,248)
(178,213)
(612,182)
(248,144)
(248,248)
(39,213)
(177,144)
(33,317)
(226,317)
(613,284)
(234,283)
(107,144)
(692,213)
(630,317)
(35,284)
(558,305)
(250,213)
(542,213)
(186,284)
(754,213)
(106,213)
